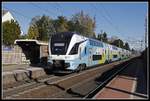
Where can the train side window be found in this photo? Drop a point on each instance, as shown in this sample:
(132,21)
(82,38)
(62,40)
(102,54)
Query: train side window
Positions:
(115,56)
(97,57)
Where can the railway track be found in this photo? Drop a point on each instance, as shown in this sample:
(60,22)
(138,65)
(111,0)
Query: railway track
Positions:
(25,85)
(76,85)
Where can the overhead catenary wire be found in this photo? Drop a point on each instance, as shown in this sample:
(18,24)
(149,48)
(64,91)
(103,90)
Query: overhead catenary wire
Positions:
(110,18)
(58,8)
(109,21)
(54,29)
(83,25)
(46,10)
(127,39)
(27,17)
(16,12)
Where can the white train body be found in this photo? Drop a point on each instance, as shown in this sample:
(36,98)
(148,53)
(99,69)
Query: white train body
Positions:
(70,51)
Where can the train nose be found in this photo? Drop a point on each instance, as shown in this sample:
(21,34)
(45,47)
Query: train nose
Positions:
(67,65)
(60,64)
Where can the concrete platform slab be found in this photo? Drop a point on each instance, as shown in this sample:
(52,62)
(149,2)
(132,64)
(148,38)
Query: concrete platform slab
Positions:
(21,75)
(9,68)
(8,78)
(36,72)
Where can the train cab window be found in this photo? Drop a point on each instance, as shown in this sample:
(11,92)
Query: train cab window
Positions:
(74,49)
(60,42)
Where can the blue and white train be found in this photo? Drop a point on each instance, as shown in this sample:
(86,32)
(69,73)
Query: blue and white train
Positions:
(71,51)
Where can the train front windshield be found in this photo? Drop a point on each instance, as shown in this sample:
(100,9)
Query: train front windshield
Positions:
(60,43)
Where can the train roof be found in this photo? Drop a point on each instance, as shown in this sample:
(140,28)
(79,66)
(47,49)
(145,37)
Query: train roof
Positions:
(72,33)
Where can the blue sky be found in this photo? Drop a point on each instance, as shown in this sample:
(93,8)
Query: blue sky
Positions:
(122,19)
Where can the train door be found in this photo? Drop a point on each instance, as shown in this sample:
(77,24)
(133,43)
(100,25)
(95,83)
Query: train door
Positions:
(80,53)
(108,53)
(90,57)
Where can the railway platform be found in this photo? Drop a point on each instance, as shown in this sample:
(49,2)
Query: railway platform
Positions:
(14,73)
(11,67)
(131,83)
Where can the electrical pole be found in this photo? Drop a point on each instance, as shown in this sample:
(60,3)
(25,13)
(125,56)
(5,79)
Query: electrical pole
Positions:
(146,32)
(141,44)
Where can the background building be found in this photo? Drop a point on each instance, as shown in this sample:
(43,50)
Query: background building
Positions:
(6,16)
